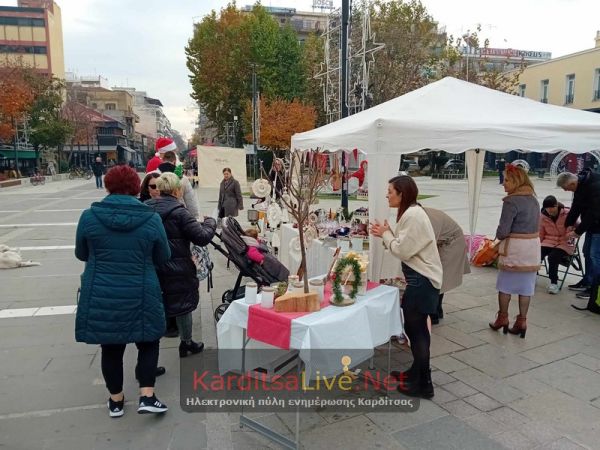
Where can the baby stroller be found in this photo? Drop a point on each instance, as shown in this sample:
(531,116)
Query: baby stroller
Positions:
(236,251)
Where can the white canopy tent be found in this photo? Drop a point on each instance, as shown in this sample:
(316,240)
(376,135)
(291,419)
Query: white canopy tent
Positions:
(454,116)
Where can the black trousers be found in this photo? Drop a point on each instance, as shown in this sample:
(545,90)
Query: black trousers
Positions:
(555,256)
(415,327)
(112,365)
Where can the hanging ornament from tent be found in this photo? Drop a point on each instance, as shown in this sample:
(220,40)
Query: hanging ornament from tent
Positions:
(274,215)
(261,188)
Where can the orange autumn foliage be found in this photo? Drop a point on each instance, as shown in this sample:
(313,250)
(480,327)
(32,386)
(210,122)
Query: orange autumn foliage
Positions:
(16,98)
(279,120)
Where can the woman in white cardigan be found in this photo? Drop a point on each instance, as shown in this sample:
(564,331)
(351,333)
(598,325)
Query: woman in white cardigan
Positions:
(413,242)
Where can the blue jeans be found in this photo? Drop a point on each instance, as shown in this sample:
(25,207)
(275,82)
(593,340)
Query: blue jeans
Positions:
(594,258)
(98,181)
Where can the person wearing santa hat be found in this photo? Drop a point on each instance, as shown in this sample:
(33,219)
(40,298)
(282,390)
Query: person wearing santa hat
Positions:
(153,163)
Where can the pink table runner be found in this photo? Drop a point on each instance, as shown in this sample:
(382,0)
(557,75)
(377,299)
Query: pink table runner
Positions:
(275,328)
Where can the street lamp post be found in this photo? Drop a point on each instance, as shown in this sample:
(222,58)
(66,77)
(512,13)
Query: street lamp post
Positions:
(15,148)
(344,91)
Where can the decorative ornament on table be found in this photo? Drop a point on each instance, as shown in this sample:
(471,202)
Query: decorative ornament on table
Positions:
(295,248)
(261,188)
(310,234)
(349,279)
(274,215)
(313,218)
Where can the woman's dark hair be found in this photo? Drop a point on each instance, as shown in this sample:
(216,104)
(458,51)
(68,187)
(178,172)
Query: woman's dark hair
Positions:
(226,169)
(144,191)
(406,186)
(550,202)
(122,180)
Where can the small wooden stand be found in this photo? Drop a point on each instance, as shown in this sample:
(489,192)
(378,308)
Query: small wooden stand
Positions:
(297,302)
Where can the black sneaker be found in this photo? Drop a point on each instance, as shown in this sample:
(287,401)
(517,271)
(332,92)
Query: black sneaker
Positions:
(115,409)
(585,294)
(580,286)
(151,405)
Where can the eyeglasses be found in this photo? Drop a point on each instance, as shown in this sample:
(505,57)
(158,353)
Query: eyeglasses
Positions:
(152,186)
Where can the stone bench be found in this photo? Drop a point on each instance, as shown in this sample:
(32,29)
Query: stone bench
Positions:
(9,183)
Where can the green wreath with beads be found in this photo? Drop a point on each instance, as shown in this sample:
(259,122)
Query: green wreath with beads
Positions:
(338,296)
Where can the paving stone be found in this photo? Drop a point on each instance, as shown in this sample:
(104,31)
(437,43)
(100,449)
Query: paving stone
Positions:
(570,378)
(443,396)
(554,351)
(442,346)
(457,336)
(583,360)
(482,402)
(427,412)
(509,416)
(514,440)
(445,433)
(357,432)
(565,413)
(527,383)
(69,443)
(184,437)
(492,387)
(460,389)
(441,378)
(540,432)
(447,363)
(494,361)
(561,444)
(486,424)
(460,408)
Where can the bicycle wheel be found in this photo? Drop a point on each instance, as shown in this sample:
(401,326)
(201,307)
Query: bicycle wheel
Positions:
(71,175)
(33,181)
(88,174)
(42,180)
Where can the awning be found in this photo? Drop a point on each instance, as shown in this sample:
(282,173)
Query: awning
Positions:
(127,149)
(21,154)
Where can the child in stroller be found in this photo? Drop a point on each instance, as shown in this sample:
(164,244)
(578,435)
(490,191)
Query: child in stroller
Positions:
(258,253)
(232,236)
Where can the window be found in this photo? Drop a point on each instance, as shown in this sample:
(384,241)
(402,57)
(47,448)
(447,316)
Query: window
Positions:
(544,91)
(522,88)
(597,85)
(110,107)
(22,22)
(40,50)
(570,89)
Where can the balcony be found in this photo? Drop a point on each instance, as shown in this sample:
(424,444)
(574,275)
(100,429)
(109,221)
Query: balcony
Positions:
(597,95)
(569,99)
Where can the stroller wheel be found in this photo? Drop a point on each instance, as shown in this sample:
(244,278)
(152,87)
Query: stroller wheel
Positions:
(226,298)
(220,310)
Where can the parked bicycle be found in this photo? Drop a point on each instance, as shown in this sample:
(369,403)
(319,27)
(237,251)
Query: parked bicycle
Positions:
(80,172)
(37,178)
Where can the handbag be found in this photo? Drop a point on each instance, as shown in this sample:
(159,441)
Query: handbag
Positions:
(486,255)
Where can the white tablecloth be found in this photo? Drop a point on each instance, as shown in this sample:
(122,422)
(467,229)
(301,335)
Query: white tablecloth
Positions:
(318,256)
(355,329)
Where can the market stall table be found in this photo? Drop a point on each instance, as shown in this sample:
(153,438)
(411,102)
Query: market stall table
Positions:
(355,329)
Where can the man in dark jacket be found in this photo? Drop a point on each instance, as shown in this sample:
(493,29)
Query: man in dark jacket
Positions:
(98,169)
(586,207)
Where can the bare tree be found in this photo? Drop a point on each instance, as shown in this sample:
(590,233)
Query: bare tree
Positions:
(307,176)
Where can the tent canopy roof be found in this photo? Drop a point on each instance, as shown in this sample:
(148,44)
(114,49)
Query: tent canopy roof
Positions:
(455,116)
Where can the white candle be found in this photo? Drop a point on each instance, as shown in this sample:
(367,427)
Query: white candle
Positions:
(251,293)
(318,287)
(267,297)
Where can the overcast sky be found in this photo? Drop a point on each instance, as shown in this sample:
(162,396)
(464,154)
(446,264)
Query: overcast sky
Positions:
(140,43)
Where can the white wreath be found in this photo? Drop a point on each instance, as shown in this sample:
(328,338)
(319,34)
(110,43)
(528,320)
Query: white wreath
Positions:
(274,215)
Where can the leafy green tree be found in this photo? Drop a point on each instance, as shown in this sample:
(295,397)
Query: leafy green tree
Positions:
(312,59)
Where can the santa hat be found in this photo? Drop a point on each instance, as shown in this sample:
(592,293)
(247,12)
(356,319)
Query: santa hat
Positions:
(164,145)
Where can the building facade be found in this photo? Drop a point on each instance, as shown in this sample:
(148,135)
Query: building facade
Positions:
(152,120)
(304,23)
(501,59)
(571,80)
(32,33)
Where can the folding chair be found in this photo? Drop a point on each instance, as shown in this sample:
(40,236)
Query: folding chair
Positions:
(569,262)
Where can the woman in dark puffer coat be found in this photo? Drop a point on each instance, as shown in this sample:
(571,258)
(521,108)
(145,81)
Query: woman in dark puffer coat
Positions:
(178,275)
(121,240)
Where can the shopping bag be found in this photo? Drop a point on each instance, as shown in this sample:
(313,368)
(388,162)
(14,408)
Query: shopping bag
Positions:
(486,255)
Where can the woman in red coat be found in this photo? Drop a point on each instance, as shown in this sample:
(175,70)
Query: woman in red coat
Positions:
(556,245)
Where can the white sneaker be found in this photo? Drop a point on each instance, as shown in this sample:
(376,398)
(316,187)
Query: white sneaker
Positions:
(553,289)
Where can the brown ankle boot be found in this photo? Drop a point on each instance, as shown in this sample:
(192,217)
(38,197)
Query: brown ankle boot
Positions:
(520,326)
(501,322)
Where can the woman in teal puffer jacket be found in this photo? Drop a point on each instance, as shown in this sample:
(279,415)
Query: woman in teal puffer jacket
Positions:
(121,240)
